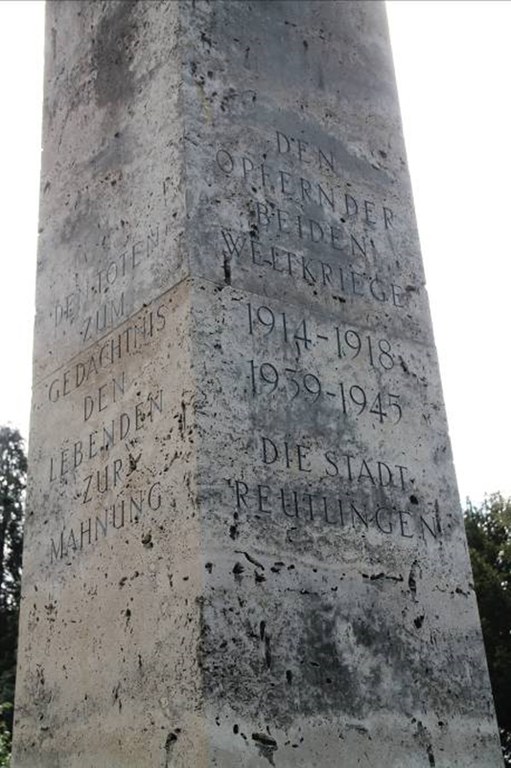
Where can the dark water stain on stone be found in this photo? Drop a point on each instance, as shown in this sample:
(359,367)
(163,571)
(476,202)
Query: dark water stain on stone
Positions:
(320,652)
(113,53)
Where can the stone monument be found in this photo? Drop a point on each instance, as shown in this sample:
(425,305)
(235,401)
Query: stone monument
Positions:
(244,545)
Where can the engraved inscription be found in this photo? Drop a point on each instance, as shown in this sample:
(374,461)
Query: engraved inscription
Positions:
(333,463)
(305,221)
(100,301)
(111,406)
(109,354)
(304,506)
(327,193)
(127,510)
(348,342)
(297,384)
(98,441)
(341,281)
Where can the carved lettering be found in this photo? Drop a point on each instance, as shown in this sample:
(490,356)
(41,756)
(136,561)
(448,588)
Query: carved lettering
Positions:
(104,396)
(107,316)
(342,512)
(333,463)
(302,188)
(103,439)
(127,510)
(341,282)
(101,303)
(111,352)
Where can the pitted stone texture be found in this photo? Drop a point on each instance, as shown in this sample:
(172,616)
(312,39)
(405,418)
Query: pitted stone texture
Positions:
(113,560)
(111,173)
(339,602)
(244,544)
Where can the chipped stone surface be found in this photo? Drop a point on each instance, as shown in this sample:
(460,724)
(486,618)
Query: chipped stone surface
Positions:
(244,545)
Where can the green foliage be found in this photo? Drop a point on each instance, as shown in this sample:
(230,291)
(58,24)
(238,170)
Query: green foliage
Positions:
(13,467)
(5,739)
(489,538)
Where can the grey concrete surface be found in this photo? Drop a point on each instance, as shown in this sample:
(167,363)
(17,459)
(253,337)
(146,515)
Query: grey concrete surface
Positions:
(244,545)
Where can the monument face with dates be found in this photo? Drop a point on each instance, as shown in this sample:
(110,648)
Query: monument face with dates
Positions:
(244,544)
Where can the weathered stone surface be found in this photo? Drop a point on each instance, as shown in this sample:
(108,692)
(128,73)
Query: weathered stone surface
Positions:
(244,544)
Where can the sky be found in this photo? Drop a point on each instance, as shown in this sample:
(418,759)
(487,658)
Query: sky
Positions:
(452,61)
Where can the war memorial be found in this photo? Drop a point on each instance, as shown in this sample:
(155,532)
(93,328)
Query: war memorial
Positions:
(244,545)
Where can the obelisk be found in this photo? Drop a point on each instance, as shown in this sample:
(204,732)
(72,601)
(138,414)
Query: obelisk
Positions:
(244,544)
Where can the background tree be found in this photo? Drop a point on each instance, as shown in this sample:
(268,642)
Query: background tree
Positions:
(13,468)
(489,538)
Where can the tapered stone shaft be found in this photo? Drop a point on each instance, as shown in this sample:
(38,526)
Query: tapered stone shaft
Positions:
(244,545)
